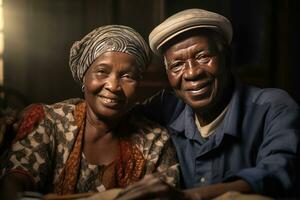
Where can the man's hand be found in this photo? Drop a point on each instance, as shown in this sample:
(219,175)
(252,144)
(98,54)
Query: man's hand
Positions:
(151,188)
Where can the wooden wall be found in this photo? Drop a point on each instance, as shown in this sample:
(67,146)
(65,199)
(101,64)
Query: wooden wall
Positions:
(39,34)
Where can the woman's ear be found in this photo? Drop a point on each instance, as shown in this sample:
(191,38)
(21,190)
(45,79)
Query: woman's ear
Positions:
(83,84)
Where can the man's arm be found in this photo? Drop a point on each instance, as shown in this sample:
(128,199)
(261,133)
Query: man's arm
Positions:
(162,107)
(152,187)
(277,157)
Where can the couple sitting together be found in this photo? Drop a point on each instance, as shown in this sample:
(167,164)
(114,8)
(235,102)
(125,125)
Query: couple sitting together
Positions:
(209,135)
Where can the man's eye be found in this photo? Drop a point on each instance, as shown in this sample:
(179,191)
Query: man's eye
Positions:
(203,59)
(176,67)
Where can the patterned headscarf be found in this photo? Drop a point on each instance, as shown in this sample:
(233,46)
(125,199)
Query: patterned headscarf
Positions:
(105,39)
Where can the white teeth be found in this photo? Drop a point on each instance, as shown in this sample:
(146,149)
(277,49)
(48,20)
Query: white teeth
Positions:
(107,100)
(198,91)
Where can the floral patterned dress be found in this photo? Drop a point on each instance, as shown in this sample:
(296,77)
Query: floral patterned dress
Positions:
(48,149)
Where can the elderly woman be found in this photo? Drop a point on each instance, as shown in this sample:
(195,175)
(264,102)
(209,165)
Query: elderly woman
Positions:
(97,143)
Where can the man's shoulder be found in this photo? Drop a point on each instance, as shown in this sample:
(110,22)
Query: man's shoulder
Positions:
(270,96)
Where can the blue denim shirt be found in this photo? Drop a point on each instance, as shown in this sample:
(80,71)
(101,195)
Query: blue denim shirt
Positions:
(257,141)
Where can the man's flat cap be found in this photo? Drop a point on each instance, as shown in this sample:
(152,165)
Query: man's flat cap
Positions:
(187,20)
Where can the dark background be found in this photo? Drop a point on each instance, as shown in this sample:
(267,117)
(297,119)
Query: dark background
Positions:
(39,33)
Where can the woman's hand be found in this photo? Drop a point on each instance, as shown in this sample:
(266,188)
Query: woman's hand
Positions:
(151,188)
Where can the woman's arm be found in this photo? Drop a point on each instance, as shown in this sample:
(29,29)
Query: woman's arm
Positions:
(27,160)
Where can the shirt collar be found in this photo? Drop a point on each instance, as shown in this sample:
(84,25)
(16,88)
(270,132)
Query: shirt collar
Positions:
(210,128)
(185,122)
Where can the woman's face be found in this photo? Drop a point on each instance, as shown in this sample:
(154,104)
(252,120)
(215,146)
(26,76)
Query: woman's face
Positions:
(111,84)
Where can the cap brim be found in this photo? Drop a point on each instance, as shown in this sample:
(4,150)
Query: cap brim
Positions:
(182,31)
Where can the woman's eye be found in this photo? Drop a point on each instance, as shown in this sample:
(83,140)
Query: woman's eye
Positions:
(128,77)
(100,71)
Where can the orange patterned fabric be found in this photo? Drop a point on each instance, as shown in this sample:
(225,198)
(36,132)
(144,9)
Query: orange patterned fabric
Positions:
(68,177)
(31,118)
(130,164)
(108,176)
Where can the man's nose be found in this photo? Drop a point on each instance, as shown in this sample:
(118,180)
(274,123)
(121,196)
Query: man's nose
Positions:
(192,70)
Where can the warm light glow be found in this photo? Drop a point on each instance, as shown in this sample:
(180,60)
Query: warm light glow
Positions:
(1,43)
(1,17)
(1,71)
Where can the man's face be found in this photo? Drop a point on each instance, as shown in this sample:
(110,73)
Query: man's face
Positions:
(197,72)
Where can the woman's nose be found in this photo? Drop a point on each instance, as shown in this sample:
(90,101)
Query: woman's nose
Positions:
(113,84)
(192,70)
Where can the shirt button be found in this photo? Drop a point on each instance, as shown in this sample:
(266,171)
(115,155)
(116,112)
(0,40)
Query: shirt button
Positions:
(202,179)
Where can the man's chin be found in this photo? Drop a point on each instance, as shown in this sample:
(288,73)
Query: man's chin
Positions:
(199,105)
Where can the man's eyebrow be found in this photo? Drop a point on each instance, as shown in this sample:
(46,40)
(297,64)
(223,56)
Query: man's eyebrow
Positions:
(175,60)
(201,49)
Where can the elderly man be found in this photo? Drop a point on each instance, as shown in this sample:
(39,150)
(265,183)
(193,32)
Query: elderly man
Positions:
(228,136)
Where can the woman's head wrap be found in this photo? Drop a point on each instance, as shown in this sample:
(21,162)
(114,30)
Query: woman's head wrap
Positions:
(105,39)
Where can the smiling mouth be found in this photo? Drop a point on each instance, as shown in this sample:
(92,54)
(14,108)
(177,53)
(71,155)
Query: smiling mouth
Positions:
(110,101)
(200,90)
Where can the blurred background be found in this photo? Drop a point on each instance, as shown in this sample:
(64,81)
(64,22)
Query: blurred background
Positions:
(36,35)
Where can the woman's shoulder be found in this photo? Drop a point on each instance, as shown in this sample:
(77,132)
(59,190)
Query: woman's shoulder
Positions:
(44,115)
(62,108)
(47,115)
(65,104)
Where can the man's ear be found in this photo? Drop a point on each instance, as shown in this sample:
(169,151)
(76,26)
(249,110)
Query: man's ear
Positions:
(165,62)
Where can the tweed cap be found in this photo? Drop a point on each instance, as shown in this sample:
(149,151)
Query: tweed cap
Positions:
(187,20)
(110,38)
